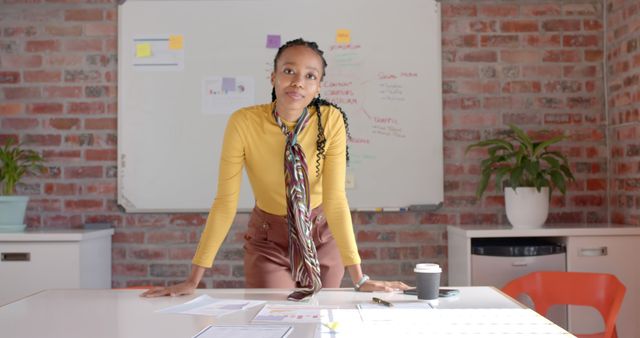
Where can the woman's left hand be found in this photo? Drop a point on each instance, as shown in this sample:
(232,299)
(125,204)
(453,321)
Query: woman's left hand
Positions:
(387,286)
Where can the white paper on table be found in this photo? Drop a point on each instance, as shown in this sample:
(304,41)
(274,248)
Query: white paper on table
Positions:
(205,305)
(275,313)
(245,331)
(494,323)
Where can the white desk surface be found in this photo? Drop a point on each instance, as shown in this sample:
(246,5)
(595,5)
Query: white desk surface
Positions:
(122,313)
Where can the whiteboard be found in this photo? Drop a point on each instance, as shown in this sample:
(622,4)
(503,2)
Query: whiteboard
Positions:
(185,66)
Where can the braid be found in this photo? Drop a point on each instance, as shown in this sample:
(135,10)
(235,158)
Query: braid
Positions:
(316,102)
(322,140)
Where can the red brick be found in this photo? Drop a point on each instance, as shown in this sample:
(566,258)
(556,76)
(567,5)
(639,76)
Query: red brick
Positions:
(101,155)
(21,93)
(11,108)
(86,45)
(580,71)
(401,253)
(587,201)
(111,15)
(589,9)
(422,236)
(395,218)
(83,172)
(488,119)
(561,25)
(100,29)
(483,26)
(593,55)
(128,269)
(9,77)
(43,140)
(42,76)
(19,123)
(456,71)
(61,189)
(107,189)
(83,15)
(383,269)
(592,24)
(480,56)
(63,221)
(521,87)
(596,184)
(469,40)
(166,237)
(450,10)
(540,10)
(63,92)
(44,108)
(498,10)
(63,60)
(20,31)
(64,123)
(562,118)
(499,41)
(20,61)
(376,236)
(478,218)
(438,218)
(37,204)
(148,254)
(39,46)
(519,26)
(106,123)
(521,119)
(546,40)
(89,107)
(83,205)
(580,41)
(188,220)
(182,253)
(520,56)
(81,75)
(61,155)
(478,87)
(60,30)
(561,56)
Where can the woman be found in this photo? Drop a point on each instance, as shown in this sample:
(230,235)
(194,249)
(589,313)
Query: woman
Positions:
(290,243)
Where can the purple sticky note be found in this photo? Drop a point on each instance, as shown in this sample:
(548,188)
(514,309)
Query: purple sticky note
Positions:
(273,41)
(229,84)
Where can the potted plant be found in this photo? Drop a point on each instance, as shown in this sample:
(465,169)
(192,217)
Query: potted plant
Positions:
(529,172)
(15,162)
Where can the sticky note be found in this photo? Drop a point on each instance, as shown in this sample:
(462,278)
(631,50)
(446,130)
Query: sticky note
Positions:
(175,41)
(343,36)
(229,84)
(143,50)
(273,41)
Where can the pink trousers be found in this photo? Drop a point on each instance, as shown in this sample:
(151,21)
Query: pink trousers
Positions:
(266,259)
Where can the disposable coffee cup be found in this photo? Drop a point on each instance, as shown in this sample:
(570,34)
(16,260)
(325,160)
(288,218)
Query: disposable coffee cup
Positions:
(428,280)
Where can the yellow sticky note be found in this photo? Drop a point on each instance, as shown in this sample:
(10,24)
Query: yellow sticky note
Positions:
(343,36)
(175,41)
(143,50)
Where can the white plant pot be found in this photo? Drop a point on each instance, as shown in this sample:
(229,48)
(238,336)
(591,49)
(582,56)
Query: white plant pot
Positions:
(526,207)
(12,210)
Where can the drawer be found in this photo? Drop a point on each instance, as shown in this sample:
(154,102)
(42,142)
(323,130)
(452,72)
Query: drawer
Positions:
(27,268)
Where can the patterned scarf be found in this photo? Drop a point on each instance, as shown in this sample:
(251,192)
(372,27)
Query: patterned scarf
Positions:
(305,268)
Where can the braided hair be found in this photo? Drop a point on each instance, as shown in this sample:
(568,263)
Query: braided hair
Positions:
(317,102)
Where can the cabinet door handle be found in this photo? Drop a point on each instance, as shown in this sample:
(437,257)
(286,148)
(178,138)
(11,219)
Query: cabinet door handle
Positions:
(519,264)
(593,252)
(15,256)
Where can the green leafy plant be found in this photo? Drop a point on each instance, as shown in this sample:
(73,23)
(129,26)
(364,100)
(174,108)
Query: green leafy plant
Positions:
(15,162)
(518,161)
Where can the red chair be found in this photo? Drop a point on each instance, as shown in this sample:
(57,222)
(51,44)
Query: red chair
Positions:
(604,292)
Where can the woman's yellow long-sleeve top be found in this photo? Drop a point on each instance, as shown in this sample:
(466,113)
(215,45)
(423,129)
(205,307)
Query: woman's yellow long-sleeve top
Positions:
(252,138)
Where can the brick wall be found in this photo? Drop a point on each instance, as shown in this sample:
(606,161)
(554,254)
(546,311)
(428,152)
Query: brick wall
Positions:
(623,85)
(534,63)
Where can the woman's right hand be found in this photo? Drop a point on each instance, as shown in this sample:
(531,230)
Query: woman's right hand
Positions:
(180,289)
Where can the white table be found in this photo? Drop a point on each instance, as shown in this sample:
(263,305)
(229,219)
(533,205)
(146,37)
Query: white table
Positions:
(122,313)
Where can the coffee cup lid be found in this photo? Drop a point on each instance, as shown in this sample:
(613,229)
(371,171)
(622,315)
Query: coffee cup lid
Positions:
(427,267)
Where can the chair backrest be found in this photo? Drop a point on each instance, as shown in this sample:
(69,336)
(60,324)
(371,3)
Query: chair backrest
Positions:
(602,291)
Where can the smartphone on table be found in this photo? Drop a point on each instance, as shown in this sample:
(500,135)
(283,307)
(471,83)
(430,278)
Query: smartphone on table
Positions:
(442,292)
